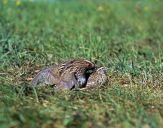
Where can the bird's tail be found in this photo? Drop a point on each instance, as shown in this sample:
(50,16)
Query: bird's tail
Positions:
(44,77)
(36,80)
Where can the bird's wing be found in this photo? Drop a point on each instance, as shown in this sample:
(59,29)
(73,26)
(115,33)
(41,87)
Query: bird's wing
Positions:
(68,79)
(66,85)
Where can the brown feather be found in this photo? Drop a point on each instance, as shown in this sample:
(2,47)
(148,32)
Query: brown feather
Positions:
(97,78)
(64,75)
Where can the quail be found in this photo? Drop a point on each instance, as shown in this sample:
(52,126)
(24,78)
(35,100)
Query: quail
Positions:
(67,75)
(97,78)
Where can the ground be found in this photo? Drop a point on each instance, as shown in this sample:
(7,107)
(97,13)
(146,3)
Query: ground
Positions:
(125,36)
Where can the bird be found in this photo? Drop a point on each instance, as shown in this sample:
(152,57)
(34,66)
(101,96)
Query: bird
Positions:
(97,79)
(67,75)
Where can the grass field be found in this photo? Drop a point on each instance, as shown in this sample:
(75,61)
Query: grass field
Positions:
(125,36)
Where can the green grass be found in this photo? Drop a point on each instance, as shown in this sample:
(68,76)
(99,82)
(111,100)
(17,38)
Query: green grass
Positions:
(125,36)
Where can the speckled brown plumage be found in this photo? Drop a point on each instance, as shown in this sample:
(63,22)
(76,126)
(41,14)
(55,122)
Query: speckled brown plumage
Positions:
(67,75)
(97,78)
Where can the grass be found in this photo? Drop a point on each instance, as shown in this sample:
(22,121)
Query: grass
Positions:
(125,36)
